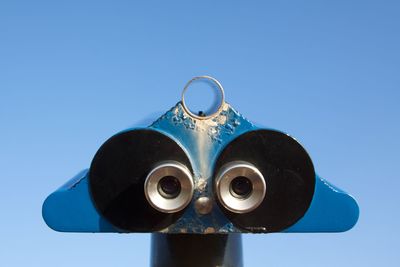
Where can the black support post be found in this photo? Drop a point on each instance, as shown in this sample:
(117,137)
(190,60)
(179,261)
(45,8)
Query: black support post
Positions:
(196,250)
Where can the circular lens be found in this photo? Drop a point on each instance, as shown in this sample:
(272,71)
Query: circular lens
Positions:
(241,187)
(169,187)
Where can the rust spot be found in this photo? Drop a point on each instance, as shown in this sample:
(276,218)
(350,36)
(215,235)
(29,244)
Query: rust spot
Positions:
(209,230)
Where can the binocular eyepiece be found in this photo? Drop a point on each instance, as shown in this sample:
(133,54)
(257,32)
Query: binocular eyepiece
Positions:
(240,187)
(169,187)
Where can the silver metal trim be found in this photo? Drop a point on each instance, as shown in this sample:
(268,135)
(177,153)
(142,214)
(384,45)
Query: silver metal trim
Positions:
(234,203)
(159,202)
(220,88)
(203,205)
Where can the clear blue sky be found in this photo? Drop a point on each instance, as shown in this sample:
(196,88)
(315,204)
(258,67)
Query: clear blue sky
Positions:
(73,73)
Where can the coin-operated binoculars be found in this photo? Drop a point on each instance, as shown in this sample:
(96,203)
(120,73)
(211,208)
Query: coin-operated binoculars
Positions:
(196,182)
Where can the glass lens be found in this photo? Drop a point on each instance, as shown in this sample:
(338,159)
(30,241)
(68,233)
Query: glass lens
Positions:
(169,187)
(241,187)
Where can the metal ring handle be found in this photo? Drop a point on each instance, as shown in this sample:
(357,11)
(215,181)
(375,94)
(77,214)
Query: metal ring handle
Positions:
(220,88)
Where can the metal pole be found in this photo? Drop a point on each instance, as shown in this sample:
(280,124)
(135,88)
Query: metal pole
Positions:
(196,250)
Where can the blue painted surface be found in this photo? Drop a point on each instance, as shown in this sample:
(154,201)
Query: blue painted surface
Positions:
(331,210)
(70,208)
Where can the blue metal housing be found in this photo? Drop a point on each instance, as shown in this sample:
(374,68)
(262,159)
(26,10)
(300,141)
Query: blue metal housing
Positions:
(70,208)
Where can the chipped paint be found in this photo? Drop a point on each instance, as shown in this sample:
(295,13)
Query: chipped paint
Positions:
(201,184)
(203,139)
(329,185)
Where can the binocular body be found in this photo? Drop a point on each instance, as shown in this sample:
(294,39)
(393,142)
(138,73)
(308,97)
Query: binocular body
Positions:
(186,175)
